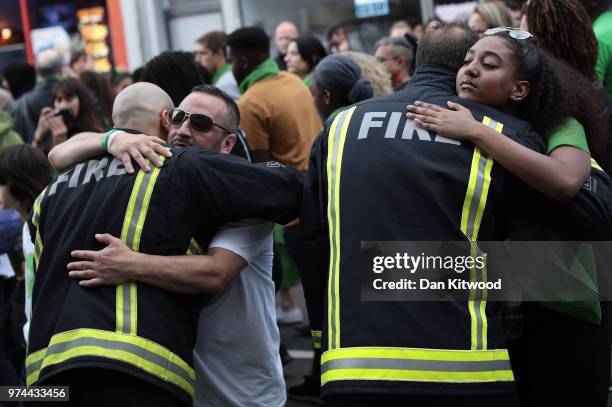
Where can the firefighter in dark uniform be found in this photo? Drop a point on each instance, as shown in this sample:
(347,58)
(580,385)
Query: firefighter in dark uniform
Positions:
(375,176)
(133,343)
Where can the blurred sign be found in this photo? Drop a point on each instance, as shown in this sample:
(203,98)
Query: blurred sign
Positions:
(51,38)
(371,8)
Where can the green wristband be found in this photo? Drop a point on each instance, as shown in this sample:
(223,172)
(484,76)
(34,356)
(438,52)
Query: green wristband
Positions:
(105,139)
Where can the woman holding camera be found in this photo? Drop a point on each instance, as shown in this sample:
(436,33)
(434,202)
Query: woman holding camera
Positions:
(72,112)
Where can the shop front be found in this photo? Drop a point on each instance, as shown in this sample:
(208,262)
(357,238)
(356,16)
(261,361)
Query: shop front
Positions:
(94,26)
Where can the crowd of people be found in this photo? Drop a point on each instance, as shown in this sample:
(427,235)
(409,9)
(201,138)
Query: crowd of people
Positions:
(154,226)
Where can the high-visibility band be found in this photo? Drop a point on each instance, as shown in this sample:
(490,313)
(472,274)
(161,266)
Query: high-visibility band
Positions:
(471,217)
(133,223)
(422,365)
(337,137)
(194,248)
(595,165)
(38,248)
(133,350)
(36,209)
(316,338)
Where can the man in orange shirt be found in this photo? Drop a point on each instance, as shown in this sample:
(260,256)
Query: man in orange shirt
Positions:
(277,112)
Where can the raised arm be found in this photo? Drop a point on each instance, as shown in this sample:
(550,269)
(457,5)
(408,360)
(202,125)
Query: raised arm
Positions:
(125,146)
(559,176)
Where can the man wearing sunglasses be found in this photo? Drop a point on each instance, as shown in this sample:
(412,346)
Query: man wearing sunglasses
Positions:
(231,368)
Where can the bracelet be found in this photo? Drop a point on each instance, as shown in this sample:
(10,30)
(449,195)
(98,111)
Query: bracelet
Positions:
(105,139)
(111,138)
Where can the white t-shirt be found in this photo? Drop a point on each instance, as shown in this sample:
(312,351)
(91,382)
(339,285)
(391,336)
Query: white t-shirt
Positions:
(236,354)
(28,255)
(227,83)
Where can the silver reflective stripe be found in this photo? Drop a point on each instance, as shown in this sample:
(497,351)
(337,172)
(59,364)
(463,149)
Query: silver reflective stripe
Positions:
(164,364)
(127,306)
(138,208)
(415,364)
(332,158)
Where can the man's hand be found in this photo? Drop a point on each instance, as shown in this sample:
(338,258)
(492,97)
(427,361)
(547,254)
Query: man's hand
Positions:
(139,147)
(105,267)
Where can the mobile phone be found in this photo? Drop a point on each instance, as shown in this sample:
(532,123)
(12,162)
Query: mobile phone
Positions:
(66,114)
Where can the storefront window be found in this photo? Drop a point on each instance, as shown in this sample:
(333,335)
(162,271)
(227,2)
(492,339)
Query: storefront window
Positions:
(12,47)
(316,16)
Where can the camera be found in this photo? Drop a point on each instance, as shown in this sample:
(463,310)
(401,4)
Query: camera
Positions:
(66,114)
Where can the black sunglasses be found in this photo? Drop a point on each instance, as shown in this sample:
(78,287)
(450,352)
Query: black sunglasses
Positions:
(197,121)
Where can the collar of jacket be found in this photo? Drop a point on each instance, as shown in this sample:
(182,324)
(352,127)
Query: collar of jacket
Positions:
(434,75)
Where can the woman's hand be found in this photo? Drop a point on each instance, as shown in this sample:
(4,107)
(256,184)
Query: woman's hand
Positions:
(59,131)
(457,123)
(43,126)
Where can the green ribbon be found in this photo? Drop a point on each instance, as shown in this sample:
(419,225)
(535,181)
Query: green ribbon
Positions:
(226,67)
(308,79)
(51,78)
(265,69)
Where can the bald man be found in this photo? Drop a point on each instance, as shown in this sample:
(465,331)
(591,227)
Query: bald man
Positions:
(285,32)
(27,108)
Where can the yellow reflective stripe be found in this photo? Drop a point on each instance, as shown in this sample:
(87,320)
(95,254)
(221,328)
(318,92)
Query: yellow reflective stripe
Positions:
(595,165)
(133,308)
(131,205)
(452,355)
(337,138)
(331,150)
(415,364)
(36,208)
(416,376)
(119,307)
(38,248)
(131,232)
(194,248)
(316,338)
(471,218)
(139,352)
(145,205)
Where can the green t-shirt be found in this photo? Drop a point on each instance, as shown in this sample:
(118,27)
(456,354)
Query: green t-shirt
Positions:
(602,26)
(568,268)
(8,136)
(569,133)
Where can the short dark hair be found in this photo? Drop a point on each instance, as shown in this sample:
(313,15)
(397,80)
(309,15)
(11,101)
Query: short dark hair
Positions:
(311,50)
(334,29)
(76,56)
(21,78)
(26,171)
(250,39)
(446,46)
(175,72)
(214,41)
(233,118)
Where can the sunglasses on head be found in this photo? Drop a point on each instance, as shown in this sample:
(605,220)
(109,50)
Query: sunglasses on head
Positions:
(197,121)
(512,32)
